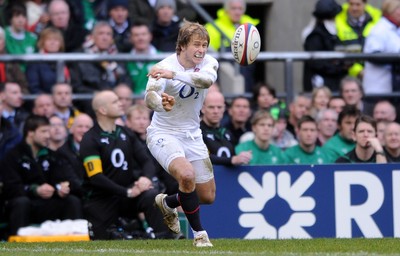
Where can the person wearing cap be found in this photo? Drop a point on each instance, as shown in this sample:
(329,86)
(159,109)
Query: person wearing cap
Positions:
(165,28)
(119,20)
(320,35)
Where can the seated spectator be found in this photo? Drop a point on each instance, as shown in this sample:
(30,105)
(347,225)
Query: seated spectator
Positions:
(380,130)
(300,107)
(264,97)
(336,103)
(281,136)
(145,9)
(320,35)
(18,40)
(327,125)
(228,19)
(367,149)
(352,92)
(43,105)
(319,100)
(260,149)
(113,187)
(124,93)
(11,95)
(384,111)
(119,20)
(217,138)
(58,133)
(307,151)
(96,76)
(239,118)
(34,183)
(60,17)
(69,152)
(11,71)
(9,137)
(43,75)
(165,28)
(138,119)
(141,37)
(391,138)
(342,142)
(64,108)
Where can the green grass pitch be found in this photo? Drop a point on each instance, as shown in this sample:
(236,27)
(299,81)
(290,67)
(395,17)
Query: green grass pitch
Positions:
(334,247)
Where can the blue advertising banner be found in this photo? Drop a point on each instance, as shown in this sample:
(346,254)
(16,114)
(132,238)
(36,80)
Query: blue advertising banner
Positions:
(305,201)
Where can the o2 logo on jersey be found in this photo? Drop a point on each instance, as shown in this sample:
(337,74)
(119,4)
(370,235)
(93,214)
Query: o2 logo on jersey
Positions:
(118,159)
(186,93)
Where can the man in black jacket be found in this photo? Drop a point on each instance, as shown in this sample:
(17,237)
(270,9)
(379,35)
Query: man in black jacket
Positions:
(34,182)
(112,156)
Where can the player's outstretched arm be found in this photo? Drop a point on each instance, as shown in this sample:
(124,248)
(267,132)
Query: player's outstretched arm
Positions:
(155,98)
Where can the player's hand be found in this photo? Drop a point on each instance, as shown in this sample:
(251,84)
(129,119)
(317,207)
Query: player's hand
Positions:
(158,73)
(242,158)
(45,191)
(167,101)
(144,183)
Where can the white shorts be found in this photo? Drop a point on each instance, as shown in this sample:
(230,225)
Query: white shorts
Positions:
(166,147)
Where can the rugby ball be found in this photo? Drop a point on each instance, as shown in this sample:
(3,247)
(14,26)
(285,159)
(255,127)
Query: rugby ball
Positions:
(246,44)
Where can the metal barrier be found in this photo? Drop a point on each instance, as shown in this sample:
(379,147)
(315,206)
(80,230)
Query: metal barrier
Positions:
(287,57)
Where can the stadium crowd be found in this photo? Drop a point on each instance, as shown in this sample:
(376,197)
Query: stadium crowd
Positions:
(332,121)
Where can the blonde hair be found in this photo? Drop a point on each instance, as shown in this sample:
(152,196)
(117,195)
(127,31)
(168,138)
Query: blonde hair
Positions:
(316,90)
(260,115)
(137,107)
(51,32)
(187,32)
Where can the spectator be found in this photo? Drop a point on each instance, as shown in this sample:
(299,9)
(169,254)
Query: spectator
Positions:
(281,136)
(217,138)
(37,16)
(298,108)
(60,17)
(43,105)
(11,95)
(384,111)
(96,76)
(9,137)
(392,142)
(320,35)
(119,21)
(380,130)
(307,151)
(69,152)
(58,133)
(18,40)
(383,76)
(327,125)
(138,119)
(64,108)
(43,75)
(165,29)
(260,149)
(11,71)
(113,186)
(145,9)
(239,114)
(336,103)
(228,19)
(34,182)
(124,93)
(319,100)
(342,142)
(367,149)
(264,97)
(352,92)
(353,24)
(141,37)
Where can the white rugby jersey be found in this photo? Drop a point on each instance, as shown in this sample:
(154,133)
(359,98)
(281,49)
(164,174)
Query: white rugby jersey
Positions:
(189,96)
